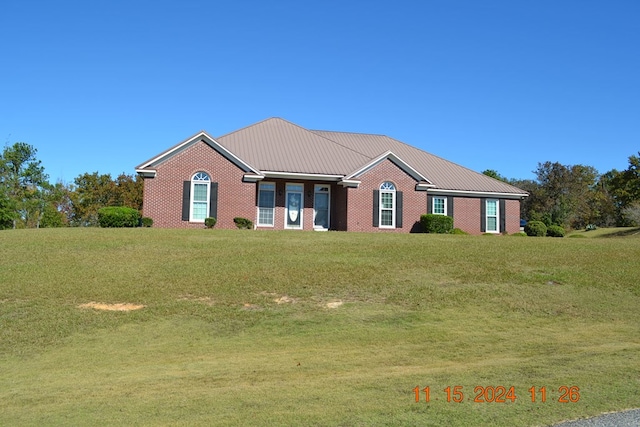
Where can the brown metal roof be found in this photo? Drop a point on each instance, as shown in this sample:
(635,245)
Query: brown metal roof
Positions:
(277,145)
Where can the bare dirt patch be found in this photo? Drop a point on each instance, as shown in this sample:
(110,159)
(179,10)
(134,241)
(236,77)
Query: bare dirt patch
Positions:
(203,300)
(334,304)
(284,300)
(112,307)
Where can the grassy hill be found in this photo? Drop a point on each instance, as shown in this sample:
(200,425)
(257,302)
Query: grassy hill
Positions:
(212,327)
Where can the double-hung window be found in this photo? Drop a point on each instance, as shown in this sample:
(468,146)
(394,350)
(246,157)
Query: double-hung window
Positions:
(200,190)
(439,206)
(387,205)
(266,203)
(492,214)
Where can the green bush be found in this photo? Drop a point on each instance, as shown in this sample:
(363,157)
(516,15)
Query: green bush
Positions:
(459,231)
(432,223)
(555,231)
(147,222)
(210,222)
(118,216)
(243,223)
(536,229)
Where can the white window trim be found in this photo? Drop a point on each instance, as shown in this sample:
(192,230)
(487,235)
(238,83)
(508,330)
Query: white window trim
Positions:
(192,193)
(393,205)
(286,205)
(433,205)
(328,193)
(273,208)
(497,216)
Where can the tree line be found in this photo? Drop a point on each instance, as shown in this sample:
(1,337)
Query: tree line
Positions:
(576,196)
(572,196)
(29,200)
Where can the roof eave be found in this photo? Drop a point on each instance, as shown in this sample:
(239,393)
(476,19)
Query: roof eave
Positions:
(478,193)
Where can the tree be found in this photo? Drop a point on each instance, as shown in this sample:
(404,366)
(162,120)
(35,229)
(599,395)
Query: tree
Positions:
(94,191)
(623,188)
(23,184)
(495,175)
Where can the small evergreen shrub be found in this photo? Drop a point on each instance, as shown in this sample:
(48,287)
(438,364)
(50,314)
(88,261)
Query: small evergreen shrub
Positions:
(459,231)
(536,229)
(118,216)
(243,223)
(147,222)
(555,231)
(210,222)
(440,224)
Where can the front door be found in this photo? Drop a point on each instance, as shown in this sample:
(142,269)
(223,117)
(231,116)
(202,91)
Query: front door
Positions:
(321,207)
(294,208)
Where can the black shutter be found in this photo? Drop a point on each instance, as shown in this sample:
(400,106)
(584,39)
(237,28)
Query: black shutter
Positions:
(429,204)
(186,199)
(399,209)
(503,217)
(483,215)
(376,208)
(213,201)
(450,206)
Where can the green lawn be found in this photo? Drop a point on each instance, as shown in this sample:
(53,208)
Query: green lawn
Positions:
(301,328)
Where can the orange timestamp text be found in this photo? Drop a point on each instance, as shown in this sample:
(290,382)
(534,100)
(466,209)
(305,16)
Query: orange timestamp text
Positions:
(500,394)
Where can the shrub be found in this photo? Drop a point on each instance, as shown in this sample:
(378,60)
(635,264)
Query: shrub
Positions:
(146,221)
(535,228)
(118,216)
(210,222)
(432,223)
(555,231)
(243,223)
(459,231)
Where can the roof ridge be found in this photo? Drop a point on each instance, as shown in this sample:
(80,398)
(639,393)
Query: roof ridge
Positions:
(251,125)
(338,144)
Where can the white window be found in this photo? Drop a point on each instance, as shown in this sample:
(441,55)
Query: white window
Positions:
(387,205)
(294,206)
(321,202)
(266,203)
(200,191)
(439,206)
(492,216)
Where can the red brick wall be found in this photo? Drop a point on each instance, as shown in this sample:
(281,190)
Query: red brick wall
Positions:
(163,194)
(512,218)
(466,215)
(360,200)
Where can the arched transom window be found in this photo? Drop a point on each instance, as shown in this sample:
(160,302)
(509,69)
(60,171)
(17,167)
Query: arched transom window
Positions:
(387,205)
(200,190)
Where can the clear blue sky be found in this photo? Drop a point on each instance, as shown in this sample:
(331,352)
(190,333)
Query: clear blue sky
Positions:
(492,84)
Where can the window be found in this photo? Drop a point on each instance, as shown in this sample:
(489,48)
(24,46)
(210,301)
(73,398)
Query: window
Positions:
(200,190)
(492,216)
(321,207)
(387,205)
(266,203)
(439,206)
(293,206)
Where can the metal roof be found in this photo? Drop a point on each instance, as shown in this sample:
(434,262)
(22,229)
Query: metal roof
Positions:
(277,146)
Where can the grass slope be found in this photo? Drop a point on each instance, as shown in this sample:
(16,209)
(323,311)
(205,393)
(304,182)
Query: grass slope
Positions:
(237,330)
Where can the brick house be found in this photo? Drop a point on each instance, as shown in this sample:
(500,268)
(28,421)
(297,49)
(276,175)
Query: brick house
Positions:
(283,176)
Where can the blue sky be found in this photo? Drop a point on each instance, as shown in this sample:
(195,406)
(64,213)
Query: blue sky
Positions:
(105,85)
